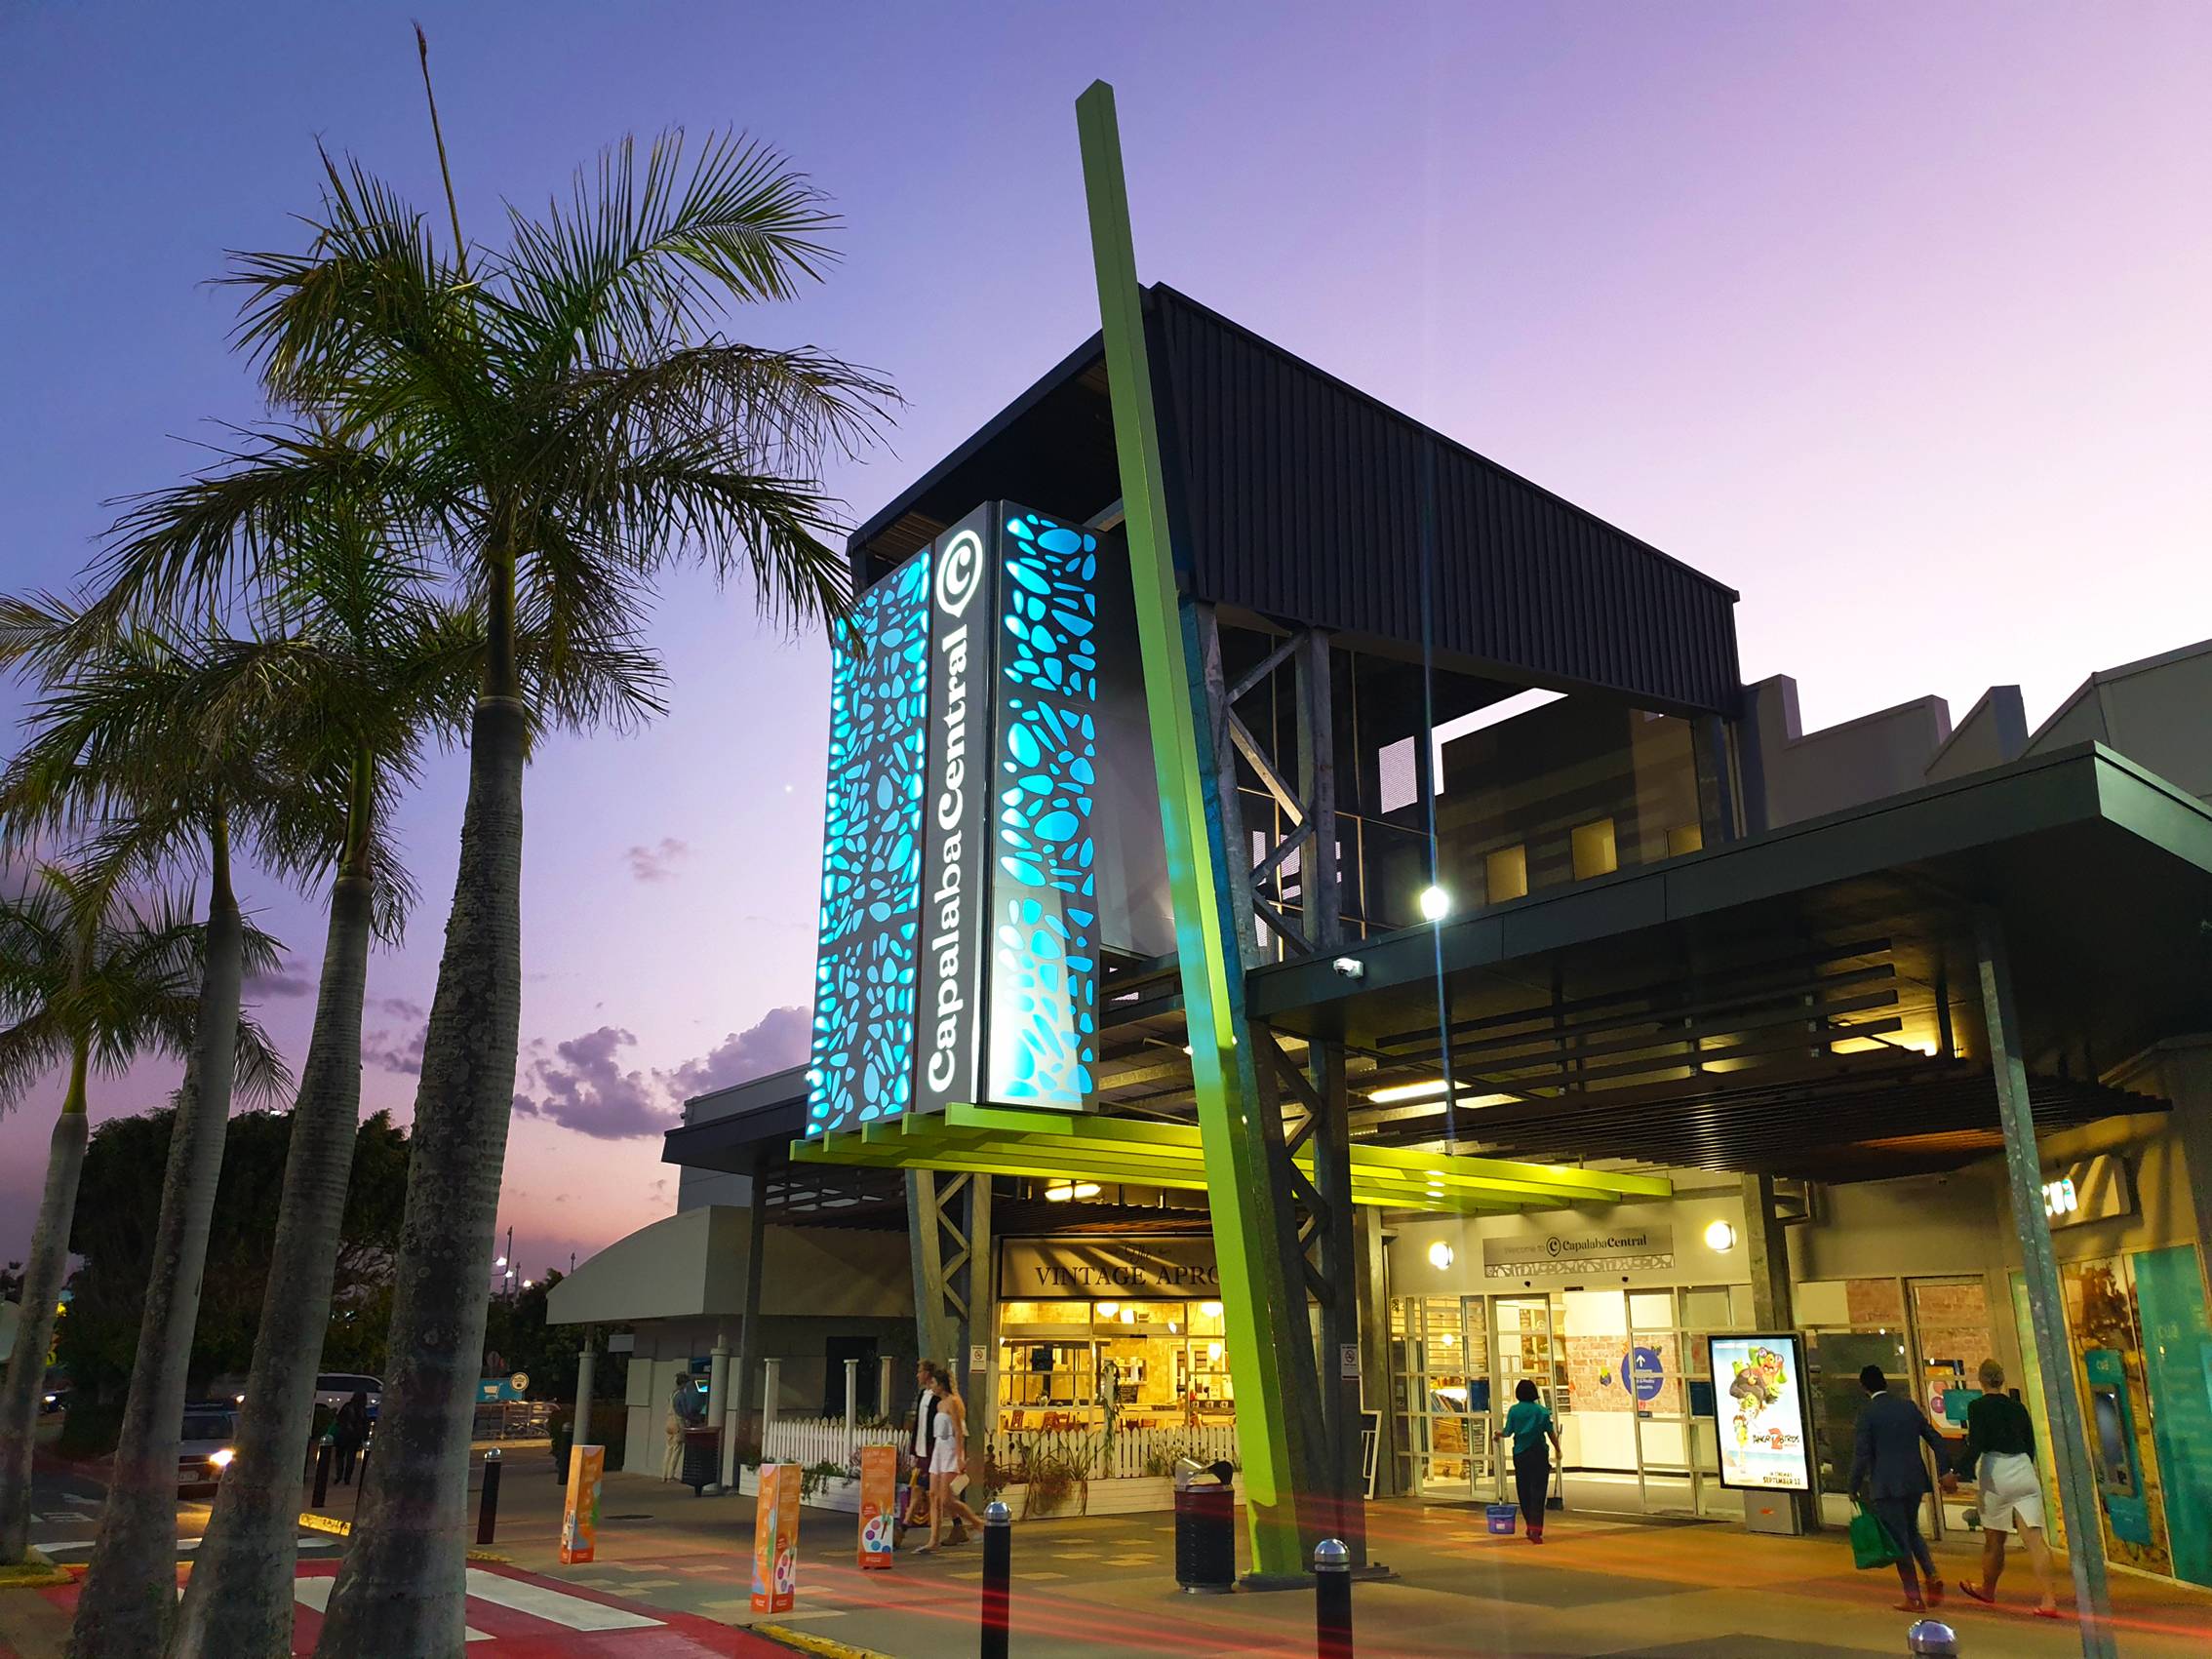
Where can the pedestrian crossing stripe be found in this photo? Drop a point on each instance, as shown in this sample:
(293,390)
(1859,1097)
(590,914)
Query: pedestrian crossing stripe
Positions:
(556,1606)
(315,1592)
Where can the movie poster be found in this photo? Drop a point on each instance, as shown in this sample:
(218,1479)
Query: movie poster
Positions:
(1759,1406)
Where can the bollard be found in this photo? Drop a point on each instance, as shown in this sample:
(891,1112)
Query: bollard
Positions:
(998,1572)
(323,1455)
(1332,1599)
(361,1472)
(1932,1638)
(487,1502)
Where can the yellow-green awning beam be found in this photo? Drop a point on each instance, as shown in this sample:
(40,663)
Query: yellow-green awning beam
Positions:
(1004,1140)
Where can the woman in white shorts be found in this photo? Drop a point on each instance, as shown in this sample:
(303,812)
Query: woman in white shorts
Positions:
(2001,1438)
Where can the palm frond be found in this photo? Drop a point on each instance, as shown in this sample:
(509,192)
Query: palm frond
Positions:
(370,308)
(224,532)
(29,1050)
(262,1079)
(642,253)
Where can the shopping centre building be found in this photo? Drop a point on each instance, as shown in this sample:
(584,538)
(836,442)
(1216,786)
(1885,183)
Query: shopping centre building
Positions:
(1315,930)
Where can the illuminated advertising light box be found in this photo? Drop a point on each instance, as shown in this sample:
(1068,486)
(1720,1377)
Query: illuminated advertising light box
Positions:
(1759,1406)
(991,827)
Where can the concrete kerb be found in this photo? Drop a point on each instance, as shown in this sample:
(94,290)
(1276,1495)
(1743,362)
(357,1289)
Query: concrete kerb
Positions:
(315,1523)
(806,1641)
(33,1572)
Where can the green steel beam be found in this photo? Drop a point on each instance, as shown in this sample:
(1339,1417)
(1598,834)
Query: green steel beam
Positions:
(1047,1145)
(1255,1248)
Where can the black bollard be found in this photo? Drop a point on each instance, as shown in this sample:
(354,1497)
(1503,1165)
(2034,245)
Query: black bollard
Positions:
(1332,1599)
(487,1503)
(997,1576)
(323,1455)
(361,1472)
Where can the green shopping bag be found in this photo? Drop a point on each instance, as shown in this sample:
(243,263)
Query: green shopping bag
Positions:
(1872,1546)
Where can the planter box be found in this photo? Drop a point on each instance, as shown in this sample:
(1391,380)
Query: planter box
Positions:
(837,1493)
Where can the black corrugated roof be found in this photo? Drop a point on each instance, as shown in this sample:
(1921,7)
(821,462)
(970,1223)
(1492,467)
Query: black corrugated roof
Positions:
(1303,499)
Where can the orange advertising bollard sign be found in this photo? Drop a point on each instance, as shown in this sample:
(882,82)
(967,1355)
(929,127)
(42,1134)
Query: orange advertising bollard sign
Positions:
(879,1502)
(579,1516)
(775,1539)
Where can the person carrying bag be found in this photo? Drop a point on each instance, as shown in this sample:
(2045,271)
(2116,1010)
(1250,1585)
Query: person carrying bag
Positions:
(1872,1546)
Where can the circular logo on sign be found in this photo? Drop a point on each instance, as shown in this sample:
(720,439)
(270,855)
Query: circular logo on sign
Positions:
(518,1381)
(958,568)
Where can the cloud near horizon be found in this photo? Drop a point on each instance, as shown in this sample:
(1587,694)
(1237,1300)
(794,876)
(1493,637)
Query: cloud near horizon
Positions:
(585,1087)
(279,981)
(657,863)
(405,1058)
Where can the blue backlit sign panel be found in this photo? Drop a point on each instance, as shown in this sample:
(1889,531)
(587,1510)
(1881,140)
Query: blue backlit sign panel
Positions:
(861,1066)
(992,827)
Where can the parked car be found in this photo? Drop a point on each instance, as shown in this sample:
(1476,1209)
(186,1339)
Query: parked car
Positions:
(334,1388)
(205,1446)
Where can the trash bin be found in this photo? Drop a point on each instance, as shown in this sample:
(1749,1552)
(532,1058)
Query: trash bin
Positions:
(1205,1527)
(702,1458)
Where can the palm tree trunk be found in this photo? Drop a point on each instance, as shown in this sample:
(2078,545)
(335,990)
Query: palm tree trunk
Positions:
(239,1602)
(130,1593)
(400,1592)
(42,1294)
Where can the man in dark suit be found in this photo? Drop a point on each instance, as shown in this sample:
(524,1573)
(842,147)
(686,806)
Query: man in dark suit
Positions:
(1886,1469)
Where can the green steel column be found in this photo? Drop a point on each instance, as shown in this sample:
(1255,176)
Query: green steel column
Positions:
(1265,1315)
(2076,1484)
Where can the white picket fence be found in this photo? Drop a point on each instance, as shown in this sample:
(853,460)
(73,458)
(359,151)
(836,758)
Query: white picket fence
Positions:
(820,1440)
(1129,1454)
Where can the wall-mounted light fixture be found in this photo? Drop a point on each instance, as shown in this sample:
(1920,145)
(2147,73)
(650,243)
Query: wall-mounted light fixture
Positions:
(1441,1255)
(1436,903)
(1721,1236)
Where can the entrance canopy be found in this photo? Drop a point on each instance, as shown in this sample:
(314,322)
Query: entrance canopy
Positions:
(1805,1002)
(1070,1146)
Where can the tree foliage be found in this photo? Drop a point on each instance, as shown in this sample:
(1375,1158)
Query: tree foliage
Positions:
(119,1195)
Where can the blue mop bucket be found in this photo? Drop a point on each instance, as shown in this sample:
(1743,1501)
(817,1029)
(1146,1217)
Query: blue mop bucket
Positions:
(1501,1519)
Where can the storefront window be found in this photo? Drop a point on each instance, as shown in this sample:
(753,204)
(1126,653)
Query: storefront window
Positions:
(2177,1361)
(1950,1327)
(2107,1344)
(1150,1364)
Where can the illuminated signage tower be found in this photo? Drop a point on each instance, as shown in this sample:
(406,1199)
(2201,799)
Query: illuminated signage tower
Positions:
(991,829)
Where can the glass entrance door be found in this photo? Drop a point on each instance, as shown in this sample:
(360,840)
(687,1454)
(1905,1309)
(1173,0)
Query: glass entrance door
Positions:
(1447,1417)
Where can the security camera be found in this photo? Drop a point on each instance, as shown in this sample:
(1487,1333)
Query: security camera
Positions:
(1351,967)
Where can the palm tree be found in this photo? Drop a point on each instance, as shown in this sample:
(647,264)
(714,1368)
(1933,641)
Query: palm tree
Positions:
(117,744)
(370,660)
(558,421)
(91,978)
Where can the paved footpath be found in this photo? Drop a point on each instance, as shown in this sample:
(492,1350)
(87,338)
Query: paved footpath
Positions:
(1103,1588)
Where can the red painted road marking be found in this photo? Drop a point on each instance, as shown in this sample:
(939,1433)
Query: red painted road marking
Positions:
(509,1633)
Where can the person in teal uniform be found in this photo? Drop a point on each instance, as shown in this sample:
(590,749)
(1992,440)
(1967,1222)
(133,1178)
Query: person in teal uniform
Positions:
(1529,1425)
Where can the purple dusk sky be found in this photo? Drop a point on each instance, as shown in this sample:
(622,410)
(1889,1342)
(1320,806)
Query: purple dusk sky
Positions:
(1892,317)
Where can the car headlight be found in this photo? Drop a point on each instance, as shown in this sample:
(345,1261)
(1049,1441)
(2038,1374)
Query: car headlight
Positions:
(221,1459)
(52,1398)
